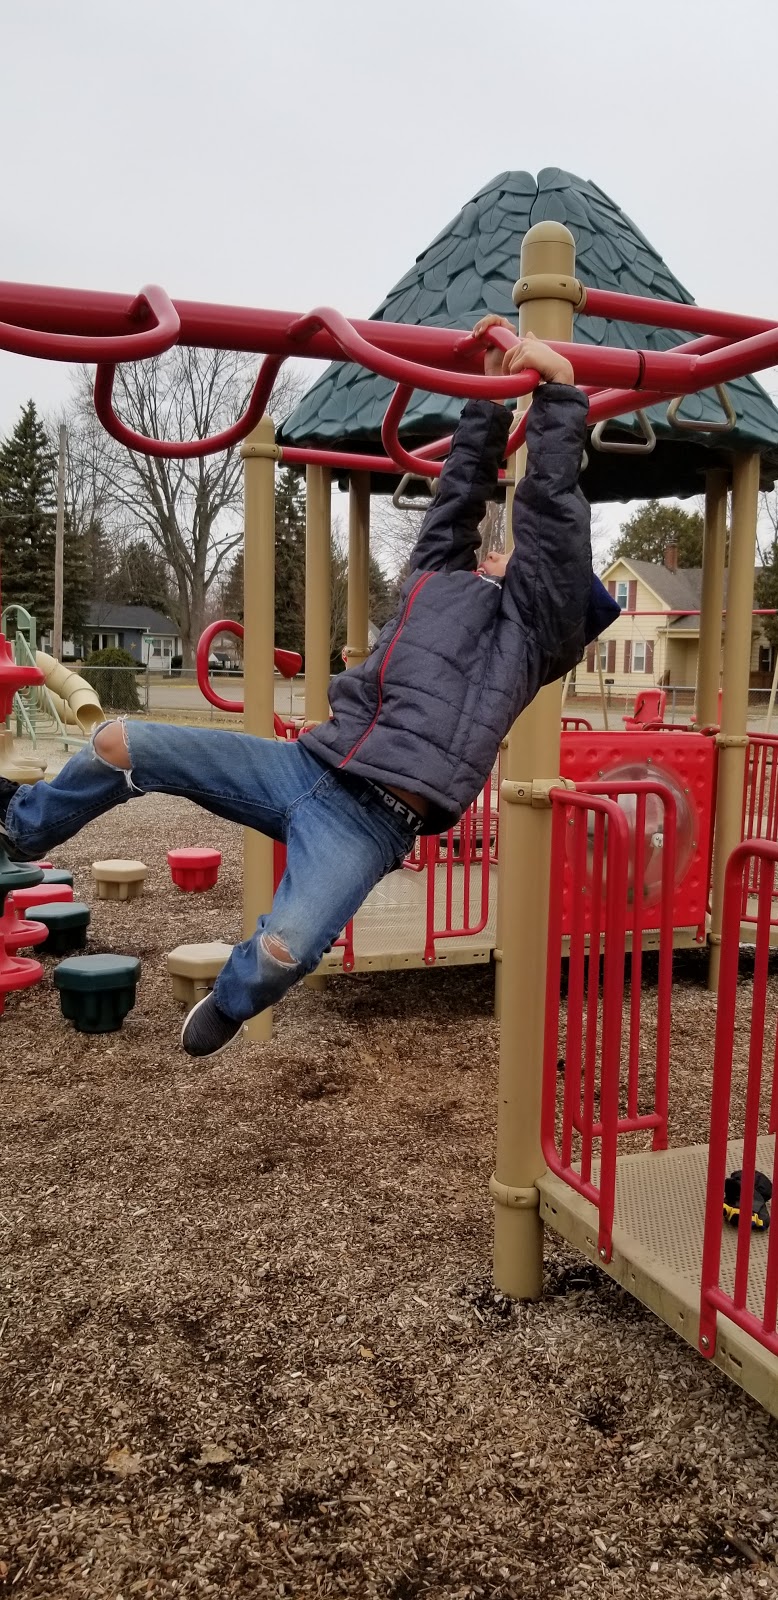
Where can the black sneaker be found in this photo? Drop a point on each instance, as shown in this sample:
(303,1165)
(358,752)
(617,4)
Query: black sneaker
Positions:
(206,1031)
(7,845)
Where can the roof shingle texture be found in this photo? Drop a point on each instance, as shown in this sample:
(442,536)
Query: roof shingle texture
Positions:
(471,267)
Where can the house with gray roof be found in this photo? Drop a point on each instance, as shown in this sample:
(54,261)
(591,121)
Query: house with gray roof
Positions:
(149,637)
(660,644)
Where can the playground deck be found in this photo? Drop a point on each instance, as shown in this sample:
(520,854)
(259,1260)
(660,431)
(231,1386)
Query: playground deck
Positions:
(657,1248)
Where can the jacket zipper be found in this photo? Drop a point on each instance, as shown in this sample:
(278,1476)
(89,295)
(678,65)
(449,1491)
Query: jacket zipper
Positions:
(384,664)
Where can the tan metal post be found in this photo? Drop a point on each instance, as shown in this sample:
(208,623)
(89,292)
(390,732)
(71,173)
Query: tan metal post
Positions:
(317,593)
(714,551)
(733,738)
(358,568)
(260,453)
(318,599)
(525,845)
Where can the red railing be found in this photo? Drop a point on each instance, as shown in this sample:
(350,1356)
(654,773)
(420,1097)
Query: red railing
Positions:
(576,725)
(752,1300)
(760,817)
(82,325)
(593,1030)
(597,924)
(458,877)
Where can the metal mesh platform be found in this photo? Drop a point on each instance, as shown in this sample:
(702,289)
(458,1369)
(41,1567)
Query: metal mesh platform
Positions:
(657,1249)
(390,930)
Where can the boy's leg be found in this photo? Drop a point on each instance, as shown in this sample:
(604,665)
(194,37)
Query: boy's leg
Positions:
(340,844)
(247,780)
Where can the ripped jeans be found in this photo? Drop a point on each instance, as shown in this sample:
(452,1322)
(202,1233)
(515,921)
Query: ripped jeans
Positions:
(340,838)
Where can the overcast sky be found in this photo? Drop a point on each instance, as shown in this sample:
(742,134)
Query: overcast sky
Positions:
(306,152)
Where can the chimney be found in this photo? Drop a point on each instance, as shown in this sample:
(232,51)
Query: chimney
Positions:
(671,557)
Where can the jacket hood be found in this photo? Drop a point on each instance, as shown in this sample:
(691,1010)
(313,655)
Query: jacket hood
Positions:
(601,611)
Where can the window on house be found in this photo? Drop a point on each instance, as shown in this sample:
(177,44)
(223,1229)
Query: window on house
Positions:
(603,649)
(622,594)
(167,648)
(765,658)
(639,655)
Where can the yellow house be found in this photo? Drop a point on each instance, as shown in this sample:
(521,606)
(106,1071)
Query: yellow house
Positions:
(656,641)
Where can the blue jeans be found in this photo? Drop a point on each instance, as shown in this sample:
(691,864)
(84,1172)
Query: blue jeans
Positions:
(340,838)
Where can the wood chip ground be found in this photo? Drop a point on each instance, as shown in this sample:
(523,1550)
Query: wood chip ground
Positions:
(248,1339)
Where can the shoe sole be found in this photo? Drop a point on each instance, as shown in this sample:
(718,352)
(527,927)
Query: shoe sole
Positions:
(210,1056)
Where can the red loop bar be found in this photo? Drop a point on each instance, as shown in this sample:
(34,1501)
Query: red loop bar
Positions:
(287,661)
(179,449)
(154,341)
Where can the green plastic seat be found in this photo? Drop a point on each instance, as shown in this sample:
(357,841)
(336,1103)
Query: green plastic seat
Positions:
(57,875)
(96,992)
(67,922)
(16,875)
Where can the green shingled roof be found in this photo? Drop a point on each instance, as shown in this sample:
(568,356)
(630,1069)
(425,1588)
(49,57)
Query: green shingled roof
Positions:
(470,268)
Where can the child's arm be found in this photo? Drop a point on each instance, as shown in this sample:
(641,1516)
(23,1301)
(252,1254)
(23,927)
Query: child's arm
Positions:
(549,576)
(449,538)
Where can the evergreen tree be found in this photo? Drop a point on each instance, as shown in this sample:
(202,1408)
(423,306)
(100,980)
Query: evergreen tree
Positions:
(28,496)
(647,534)
(290,561)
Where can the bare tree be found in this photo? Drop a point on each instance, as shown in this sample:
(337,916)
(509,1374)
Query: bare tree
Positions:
(191,511)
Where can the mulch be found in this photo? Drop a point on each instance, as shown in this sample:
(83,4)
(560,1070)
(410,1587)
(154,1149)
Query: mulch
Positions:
(249,1343)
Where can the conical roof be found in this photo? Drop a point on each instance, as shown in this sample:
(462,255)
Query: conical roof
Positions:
(470,268)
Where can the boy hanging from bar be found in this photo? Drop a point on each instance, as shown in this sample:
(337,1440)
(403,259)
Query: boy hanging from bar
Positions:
(415,729)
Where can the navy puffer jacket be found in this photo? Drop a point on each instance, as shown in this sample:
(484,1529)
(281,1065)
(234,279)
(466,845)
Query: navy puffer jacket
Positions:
(465,654)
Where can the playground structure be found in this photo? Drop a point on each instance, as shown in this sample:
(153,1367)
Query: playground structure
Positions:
(603,855)
(61,694)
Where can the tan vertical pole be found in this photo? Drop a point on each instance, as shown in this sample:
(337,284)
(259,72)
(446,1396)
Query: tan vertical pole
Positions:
(318,600)
(260,453)
(733,738)
(525,846)
(712,600)
(358,568)
(317,593)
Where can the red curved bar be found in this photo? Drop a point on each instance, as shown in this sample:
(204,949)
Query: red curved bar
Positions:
(183,449)
(203,678)
(25,341)
(463,385)
(422,463)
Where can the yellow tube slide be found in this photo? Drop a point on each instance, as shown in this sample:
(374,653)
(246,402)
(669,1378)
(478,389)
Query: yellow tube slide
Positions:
(74,698)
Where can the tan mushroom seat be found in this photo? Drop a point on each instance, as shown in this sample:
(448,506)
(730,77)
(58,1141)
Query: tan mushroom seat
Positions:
(194,969)
(119,880)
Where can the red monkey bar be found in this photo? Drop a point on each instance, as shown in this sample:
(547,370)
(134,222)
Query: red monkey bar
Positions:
(84,325)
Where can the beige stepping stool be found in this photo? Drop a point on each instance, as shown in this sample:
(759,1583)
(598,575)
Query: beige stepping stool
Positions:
(194,969)
(119,880)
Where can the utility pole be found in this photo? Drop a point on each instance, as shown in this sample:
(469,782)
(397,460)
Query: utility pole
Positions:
(59,548)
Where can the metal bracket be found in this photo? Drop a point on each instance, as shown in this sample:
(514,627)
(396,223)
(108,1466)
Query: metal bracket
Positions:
(732,741)
(687,425)
(505,1195)
(627,447)
(550,286)
(414,502)
(272,452)
(532,791)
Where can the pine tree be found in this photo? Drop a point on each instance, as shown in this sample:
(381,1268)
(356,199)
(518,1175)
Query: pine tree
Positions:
(28,517)
(28,494)
(290,561)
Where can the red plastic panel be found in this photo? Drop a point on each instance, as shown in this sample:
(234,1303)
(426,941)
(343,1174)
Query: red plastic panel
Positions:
(686,760)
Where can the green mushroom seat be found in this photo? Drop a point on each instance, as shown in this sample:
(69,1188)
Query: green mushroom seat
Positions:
(67,923)
(96,992)
(57,875)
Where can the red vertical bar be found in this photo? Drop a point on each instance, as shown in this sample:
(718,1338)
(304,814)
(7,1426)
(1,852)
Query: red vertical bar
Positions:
(593,994)
(553,983)
(721,1092)
(466,849)
(664,999)
(636,965)
(612,1002)
(575,986)
(754,1087)
(431,847)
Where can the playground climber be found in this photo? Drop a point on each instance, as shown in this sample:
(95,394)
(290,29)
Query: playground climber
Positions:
(414,731)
